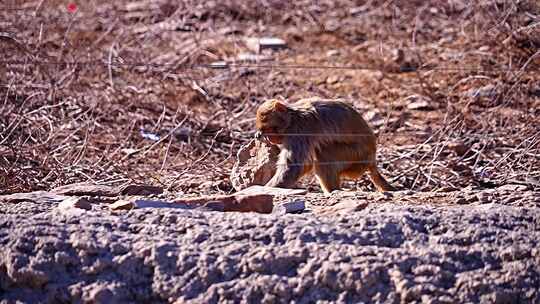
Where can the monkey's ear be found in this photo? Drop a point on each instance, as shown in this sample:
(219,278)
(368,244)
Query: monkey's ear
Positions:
(280,106)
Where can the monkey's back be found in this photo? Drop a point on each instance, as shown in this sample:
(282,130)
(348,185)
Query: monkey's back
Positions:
(333,121)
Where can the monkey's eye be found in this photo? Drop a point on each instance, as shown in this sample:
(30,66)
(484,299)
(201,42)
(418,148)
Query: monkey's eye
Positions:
(268,130)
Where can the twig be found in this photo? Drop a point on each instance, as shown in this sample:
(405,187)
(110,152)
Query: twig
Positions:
(166,136)
(196,161)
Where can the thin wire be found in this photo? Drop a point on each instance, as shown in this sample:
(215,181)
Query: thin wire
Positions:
(324,163)
(339,134)
(227,65)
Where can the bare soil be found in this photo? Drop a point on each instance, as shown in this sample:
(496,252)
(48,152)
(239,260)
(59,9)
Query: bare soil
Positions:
(452,89)
(164,93)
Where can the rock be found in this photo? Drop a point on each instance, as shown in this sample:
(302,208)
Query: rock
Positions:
(258,44)
(346,206)
(333,79)
(36,197)
(122,205)
(149,135)
(255,164)
(248,57)
(81,189)
(219,65)
(75,202)
(137,203)
(74,206)
(142,203)
(290,207)
(370,115)
(270,190)
(418,103)
(140,190)
(404,60)
(261,203)
(213,206)
(332,53)
(489,90)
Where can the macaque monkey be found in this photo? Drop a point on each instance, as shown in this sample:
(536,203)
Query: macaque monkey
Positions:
(326,137)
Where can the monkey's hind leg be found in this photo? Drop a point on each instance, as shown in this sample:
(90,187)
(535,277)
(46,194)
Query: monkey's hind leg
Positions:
(328,176)
(378,180)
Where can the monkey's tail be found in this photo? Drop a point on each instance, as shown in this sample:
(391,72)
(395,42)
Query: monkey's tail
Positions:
(378,180)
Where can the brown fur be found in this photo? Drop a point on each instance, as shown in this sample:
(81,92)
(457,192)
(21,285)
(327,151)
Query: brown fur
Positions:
(326,137)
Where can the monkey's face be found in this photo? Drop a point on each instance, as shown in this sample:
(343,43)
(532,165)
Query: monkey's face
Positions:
(273,119)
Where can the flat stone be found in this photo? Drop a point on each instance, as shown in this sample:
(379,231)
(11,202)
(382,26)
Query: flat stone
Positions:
(122,205)
(261,203)
(213,206)
(76,203)
(346,206)
(36,197)
(81,189)
(256,189)
(290,207)
(420,104)
(140,190)
(143,203)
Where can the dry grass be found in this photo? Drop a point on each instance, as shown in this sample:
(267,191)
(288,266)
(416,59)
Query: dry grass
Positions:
(453,89)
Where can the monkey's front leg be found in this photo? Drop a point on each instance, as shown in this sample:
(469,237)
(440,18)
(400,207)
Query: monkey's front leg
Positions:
(290,167)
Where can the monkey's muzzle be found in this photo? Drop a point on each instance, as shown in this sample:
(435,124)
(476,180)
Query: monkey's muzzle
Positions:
(270,138)
(258,135)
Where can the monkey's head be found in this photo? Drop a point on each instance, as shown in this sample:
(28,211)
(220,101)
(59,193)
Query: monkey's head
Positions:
(273,119)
